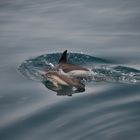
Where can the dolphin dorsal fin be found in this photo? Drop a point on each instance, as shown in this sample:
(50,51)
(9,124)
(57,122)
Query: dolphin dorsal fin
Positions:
(63,58)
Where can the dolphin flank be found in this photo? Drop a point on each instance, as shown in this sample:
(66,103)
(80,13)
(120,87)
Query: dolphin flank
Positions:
(70,69)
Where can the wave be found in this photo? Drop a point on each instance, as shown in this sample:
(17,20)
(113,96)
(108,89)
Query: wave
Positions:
(102,70)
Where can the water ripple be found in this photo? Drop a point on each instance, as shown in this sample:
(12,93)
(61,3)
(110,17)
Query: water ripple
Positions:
(105,115)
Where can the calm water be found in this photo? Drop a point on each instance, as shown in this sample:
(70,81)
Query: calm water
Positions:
(106,29)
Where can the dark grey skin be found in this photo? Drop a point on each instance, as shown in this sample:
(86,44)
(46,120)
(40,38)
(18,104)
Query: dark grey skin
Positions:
(67,67)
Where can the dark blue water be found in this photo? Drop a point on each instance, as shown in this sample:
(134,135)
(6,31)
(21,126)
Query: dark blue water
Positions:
(103,29)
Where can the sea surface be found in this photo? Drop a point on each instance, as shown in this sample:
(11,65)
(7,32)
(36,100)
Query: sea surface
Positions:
(108,30)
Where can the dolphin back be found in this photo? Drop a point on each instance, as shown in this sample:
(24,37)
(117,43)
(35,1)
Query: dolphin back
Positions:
(63,58)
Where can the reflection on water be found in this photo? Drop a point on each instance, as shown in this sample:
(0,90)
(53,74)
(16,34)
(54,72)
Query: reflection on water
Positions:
(105,29)
(105,114)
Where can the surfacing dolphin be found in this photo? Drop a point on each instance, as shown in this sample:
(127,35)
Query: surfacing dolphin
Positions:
(66,76)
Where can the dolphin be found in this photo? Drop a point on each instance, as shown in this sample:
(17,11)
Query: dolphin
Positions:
(65,76)
(70,69)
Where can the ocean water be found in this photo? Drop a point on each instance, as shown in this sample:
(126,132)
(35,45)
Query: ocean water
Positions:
(109,30)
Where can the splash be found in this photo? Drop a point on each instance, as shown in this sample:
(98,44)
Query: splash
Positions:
(101,70)
(117,74)
(31,68)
